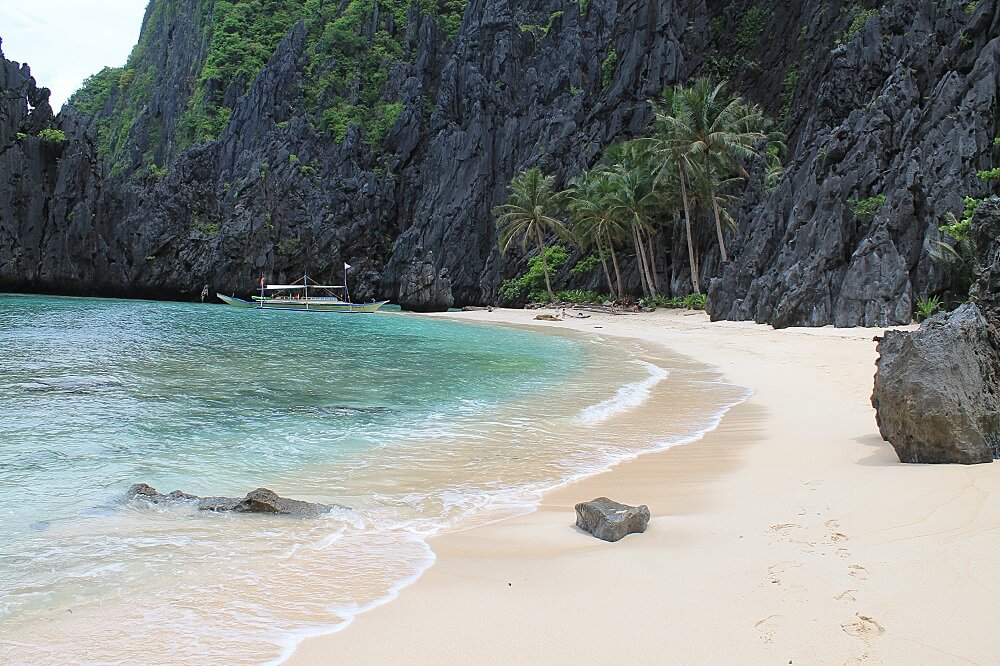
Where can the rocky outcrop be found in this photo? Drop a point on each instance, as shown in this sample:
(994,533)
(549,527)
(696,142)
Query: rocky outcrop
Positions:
(609,520)
(260,500)
(937,389)
(985,233)
(901,105)
(905,108)
(425,288)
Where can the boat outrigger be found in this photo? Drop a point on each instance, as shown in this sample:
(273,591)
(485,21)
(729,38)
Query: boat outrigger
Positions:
(304,295)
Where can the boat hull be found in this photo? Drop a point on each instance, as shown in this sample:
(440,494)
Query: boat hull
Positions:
(235,302)
(303,305)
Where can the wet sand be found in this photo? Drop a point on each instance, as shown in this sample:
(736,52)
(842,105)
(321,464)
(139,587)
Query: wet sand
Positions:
(789,534)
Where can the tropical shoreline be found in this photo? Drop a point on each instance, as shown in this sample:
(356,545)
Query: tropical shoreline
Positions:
(791,530)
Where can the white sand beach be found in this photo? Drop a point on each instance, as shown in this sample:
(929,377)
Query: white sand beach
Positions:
(789,534)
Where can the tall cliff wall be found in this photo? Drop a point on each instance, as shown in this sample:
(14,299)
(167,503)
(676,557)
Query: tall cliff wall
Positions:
(898,100)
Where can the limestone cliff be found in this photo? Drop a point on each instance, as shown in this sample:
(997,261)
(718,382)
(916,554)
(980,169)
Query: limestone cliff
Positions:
(382,134)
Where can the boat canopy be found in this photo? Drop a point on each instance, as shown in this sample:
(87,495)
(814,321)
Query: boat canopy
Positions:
(280,287)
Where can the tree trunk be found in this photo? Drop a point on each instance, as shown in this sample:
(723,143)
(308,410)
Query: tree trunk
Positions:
(604,264)
(647,265)
(718,221)
(545,264)
(618,270)
(687,228)
(652,264)
(640,260)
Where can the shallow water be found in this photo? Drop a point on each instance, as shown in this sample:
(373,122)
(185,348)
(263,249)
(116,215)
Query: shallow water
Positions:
(418,425)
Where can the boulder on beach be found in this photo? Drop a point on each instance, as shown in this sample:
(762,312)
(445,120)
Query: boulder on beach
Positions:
(260,500)
(547,317)
(937,389)
(610,520)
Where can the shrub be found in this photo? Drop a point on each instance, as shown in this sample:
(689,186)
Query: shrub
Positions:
(608,68)
(205,228)
(865,210)
(52,136)
(586,265)
(532,283)
(690,302)
(750,26)
(582,296)
(157,172)
(926,307)
(288,245)
(860,19)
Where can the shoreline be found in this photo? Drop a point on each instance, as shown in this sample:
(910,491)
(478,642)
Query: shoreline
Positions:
(790,529)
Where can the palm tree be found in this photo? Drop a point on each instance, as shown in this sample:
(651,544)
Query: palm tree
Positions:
(527,215)
(670,127)
(634,199)
(710,135)
(586,199)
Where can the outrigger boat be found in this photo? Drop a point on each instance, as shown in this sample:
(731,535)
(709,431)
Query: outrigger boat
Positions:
(304,295)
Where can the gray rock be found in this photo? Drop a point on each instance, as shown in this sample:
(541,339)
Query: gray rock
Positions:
(425,288)
(936,389)
(609,520)
(985,233)
(260,500)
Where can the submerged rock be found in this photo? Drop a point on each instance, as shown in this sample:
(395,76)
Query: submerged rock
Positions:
(610,520)
(260,500)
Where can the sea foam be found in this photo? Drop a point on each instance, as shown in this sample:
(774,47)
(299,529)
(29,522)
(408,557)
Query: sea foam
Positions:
(627,397)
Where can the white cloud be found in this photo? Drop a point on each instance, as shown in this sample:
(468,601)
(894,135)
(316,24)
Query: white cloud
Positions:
(65,41)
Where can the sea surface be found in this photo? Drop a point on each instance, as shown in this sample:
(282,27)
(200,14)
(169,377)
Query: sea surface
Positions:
(418,425)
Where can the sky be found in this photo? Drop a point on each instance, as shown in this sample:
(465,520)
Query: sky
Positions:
(65,41)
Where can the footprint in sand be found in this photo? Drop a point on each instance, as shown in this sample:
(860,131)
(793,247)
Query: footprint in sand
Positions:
(846,595)
(767,627)
(864,627)
(784,527)
(843,553)
(857,571)
(775,570)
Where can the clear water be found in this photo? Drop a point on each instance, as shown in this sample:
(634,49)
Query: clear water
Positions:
(418,425)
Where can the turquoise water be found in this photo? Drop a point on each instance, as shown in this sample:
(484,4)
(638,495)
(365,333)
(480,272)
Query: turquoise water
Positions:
(98,394)
(416,424)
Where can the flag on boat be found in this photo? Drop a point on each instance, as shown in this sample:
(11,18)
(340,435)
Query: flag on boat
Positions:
(347,266)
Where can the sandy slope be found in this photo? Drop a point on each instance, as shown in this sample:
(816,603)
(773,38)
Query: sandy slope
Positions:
(790,534)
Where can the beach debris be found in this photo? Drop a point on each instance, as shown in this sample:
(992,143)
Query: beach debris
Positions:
(547,317)
(610,520)
(260,500)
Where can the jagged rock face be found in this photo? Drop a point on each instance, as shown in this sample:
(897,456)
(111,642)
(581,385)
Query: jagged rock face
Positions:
(424,288)
(937,389)
(906,108)
(53,198)
(985,232)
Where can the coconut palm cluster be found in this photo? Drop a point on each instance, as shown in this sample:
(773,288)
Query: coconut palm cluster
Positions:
(701,145)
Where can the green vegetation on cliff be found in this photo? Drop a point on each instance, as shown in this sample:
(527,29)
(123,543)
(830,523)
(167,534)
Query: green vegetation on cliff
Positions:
(351,49)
